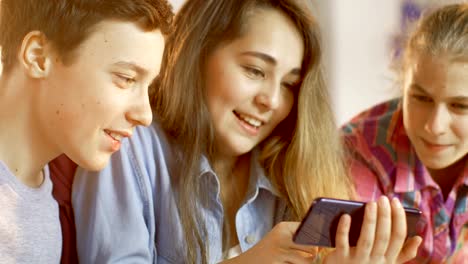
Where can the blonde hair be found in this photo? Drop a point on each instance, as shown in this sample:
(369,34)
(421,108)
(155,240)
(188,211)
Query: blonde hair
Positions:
(443,32)
(302,156)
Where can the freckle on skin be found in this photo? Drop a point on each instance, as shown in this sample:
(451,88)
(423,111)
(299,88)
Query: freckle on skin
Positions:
(57,112)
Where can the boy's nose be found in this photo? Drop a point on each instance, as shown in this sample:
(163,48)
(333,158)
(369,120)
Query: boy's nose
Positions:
(140,112)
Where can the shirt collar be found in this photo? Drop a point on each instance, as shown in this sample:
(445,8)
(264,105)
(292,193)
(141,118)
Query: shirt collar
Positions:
(257,178)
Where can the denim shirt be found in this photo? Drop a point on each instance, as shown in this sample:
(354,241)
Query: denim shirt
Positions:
(127,213)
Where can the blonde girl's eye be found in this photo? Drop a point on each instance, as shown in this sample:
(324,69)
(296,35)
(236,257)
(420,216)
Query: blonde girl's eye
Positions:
(460,106)
(422,98)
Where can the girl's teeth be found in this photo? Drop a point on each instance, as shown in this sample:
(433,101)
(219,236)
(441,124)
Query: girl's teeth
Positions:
(251,121)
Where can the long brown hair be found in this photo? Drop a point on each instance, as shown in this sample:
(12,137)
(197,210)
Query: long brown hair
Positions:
(302,157)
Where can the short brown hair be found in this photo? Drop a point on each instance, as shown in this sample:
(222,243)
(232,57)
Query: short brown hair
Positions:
(67,23)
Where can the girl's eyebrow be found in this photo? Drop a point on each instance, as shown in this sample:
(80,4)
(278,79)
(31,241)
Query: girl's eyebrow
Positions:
(418,88)
(460,98)
(268,59)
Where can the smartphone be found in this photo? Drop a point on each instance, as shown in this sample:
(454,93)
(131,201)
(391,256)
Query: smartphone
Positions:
(319,226)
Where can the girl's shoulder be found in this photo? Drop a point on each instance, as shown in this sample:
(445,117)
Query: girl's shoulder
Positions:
(378,116)
(152,141)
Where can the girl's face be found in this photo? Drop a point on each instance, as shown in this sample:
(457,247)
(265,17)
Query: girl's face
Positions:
(436,110)
(250,81)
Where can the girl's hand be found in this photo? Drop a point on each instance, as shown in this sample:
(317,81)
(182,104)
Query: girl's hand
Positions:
(278,247)
(382,238)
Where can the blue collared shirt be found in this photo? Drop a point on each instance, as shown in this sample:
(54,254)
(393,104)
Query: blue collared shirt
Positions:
(127,212)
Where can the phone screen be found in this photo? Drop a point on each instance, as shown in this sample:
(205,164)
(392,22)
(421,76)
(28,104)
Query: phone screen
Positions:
(321,221)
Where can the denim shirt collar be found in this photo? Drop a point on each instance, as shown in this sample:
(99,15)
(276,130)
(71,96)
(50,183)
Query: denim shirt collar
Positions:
(257,178)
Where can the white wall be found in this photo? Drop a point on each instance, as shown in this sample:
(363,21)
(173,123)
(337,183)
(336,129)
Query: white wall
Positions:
(357,40)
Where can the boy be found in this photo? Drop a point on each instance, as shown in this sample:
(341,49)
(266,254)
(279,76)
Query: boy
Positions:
(75,81)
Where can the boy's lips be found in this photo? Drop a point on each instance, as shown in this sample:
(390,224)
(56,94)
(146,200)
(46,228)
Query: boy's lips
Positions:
(118,135)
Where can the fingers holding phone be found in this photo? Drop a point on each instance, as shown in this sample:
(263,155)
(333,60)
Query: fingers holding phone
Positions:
(384,226)
(400,249)
(398,230)
(383,232)
(382,236)
(391,244)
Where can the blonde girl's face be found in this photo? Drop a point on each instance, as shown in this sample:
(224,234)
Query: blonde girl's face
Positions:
(435,108)
(250,81)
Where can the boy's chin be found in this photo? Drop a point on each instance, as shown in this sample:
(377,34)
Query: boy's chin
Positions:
(97,164)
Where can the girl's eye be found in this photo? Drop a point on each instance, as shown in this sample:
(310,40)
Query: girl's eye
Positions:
(422,98)
(254,72)
(460,106)
(290,86)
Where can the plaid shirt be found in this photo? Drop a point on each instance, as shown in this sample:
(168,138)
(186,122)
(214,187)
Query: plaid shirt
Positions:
(383,162)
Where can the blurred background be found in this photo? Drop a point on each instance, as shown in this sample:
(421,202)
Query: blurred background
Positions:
(361,38)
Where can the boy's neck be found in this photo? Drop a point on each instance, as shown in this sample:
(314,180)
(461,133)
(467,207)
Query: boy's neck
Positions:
(22,149)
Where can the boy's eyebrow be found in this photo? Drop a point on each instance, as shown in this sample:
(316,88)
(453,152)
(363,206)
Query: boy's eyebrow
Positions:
(132,66)
(268,59)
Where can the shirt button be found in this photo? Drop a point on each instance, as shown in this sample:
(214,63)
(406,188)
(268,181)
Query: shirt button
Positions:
(250,239)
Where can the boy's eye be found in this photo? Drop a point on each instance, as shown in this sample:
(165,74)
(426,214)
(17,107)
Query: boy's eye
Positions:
(254,72)
(125,81)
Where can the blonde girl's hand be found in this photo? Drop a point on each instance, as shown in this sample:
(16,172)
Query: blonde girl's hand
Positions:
(277,247)
(382,237)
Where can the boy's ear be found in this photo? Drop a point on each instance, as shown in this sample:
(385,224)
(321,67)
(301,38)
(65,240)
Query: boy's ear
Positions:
(35,55)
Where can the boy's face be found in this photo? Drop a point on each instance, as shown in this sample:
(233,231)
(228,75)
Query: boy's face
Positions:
(86,108)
